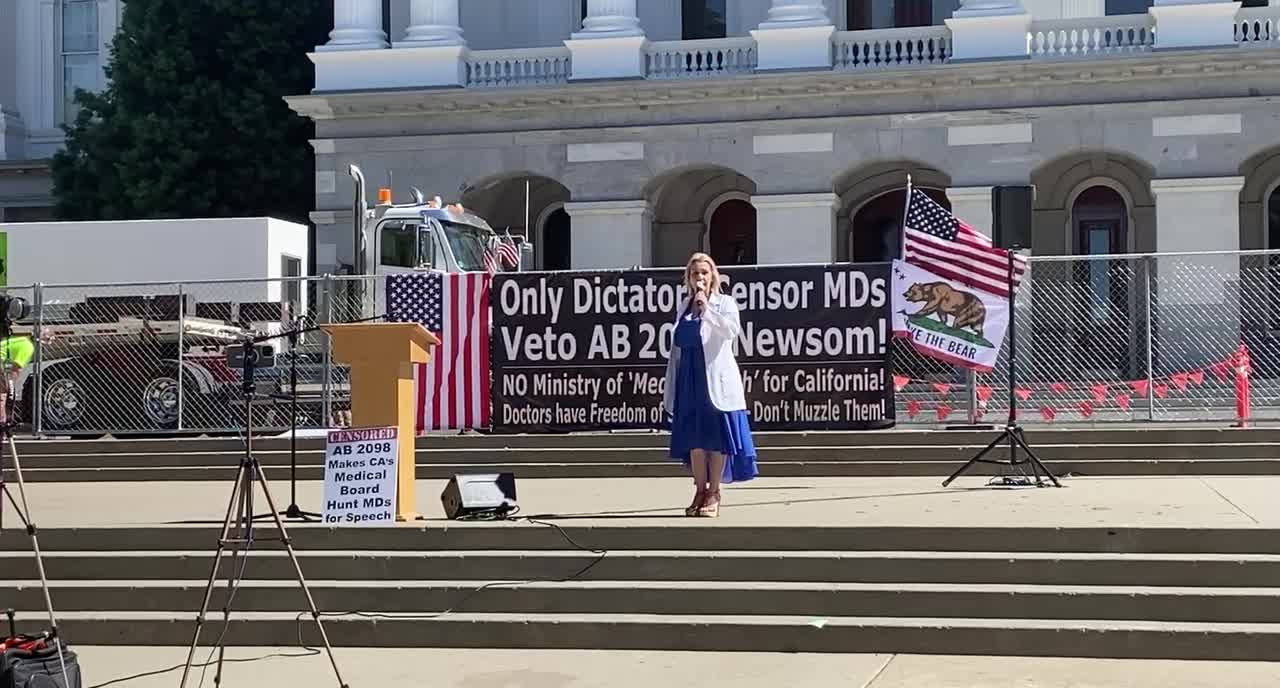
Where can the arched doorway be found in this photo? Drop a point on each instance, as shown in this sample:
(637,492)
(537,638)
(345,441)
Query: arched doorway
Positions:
(1104,287)
(702,208)
(875,229)
(514,201)
(731,238)
(1273,218)
(557,245)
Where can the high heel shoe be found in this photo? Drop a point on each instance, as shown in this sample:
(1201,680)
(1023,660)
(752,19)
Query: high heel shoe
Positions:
(711,505)
(698,498)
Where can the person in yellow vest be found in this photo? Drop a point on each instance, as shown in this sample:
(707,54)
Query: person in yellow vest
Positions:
(16,352)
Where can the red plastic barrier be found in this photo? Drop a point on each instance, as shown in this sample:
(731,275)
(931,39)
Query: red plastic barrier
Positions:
(1243,367)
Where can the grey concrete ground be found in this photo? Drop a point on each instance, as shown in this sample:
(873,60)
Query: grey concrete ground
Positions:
(585,669)
(1134,501)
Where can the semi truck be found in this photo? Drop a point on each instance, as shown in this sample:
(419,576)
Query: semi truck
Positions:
(125,351)
(116,328)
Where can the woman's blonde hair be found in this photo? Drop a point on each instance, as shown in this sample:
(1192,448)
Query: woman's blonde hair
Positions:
(715,271)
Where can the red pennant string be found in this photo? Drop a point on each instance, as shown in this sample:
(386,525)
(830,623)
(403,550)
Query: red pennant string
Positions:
(1058,387)
(913,407)
(1023,393)
(943,411)
(900,381)
(1048,413)
(1099,393)
(1086,409)
(1220,370)
(1161,390)
(983,392)
(1179,381)
(1139,387)
(942,388)
(1196,377)
(1122,400)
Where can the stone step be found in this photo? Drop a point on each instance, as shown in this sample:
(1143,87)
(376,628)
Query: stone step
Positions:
(1008,568)
(1155,433)
(700,536)
(1194,604)
(1009,637)
(665,468)
(640,455)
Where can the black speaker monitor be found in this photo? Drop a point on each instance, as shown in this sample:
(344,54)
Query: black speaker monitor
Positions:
(490,493)
(1011,216)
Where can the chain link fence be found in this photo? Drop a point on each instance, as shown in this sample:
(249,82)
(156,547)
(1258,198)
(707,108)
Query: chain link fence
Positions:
(1097,339)
(1128,338)
(155,358)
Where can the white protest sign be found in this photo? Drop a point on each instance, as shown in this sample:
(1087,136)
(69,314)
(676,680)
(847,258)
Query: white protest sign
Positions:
(360,476)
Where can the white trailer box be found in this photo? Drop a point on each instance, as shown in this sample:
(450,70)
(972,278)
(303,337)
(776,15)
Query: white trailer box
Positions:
(161,251)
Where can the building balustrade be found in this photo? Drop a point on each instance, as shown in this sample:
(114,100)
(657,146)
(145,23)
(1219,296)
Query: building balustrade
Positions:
(612,45)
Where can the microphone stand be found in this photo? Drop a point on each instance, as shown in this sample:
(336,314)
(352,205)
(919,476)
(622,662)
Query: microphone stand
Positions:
(293,510)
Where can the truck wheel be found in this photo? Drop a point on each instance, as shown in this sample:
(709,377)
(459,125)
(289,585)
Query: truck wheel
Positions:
(64,402)
(158,398)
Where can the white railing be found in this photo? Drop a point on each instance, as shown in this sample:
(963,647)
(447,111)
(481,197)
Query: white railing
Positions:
(521,67)
(1091,36)
(1258,26)
(859,50)
(700,59)
(883,48)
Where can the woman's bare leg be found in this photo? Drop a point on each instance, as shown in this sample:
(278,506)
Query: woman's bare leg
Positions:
(698,466)
(715,469)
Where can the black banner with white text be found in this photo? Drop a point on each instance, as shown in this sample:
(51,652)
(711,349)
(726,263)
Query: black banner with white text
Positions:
(583,351)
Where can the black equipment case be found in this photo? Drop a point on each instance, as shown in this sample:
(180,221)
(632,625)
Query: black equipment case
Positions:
(31,661)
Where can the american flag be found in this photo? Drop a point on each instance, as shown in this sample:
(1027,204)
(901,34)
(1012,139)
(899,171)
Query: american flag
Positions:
(939,242)
(505,254)
(453,386)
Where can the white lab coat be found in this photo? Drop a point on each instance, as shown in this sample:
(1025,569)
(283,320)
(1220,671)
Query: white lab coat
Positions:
(720,328)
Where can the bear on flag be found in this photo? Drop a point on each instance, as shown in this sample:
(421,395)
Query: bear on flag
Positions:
(951,289)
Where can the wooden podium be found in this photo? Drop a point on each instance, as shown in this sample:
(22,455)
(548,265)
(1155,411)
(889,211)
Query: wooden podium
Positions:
(382,357)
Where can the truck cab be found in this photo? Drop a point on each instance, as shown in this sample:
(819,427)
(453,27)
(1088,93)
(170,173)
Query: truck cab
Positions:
(422,235)
(412,238)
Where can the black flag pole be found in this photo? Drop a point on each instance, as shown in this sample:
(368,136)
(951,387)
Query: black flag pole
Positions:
(1012,432)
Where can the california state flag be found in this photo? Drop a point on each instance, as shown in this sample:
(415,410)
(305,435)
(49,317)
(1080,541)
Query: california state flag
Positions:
(947,320)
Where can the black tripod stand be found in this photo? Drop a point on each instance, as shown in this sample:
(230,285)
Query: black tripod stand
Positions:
(1012,432)
(241,506)
(20,502)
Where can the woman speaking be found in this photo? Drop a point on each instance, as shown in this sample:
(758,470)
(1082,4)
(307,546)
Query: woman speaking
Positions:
(710,432)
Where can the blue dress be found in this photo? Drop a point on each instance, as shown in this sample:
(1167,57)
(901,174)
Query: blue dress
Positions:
(696,423)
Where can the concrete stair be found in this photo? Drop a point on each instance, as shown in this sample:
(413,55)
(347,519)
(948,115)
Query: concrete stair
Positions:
(1143,450)
(1142,592)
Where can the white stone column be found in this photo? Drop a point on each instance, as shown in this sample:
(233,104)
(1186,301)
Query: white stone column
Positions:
(13,134)
(432,23)
(1198,297)
(611,234)
(986,29)
(796,35)
(972,204)
(357,25)
(433,52)
(610,18)
(611,43)
(1194,23)
(795,228)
